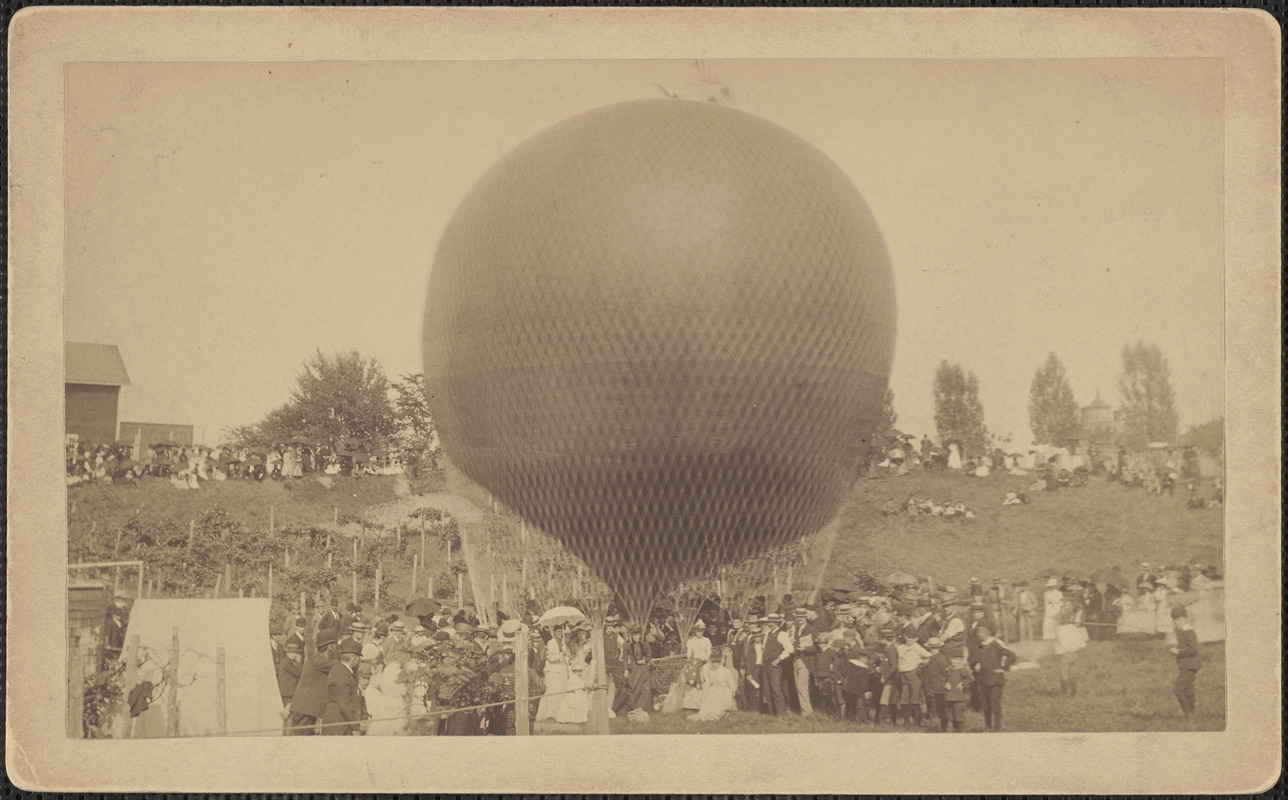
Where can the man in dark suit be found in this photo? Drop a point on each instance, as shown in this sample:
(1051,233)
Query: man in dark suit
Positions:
(993,659)
(343,708)
(330,620)
(1187,662)
(309,702)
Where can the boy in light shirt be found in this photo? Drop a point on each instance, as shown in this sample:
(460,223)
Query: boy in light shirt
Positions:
(911,656)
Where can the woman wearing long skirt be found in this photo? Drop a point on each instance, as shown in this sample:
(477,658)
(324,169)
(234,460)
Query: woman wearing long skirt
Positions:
(719,685)
(575,707)
(1052,600)
(1070,638)
(556,676)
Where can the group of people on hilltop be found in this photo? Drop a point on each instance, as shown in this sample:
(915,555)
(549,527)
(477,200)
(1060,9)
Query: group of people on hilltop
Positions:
(187,466)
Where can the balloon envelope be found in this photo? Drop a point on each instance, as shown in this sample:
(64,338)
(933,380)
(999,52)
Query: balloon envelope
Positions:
(658,331)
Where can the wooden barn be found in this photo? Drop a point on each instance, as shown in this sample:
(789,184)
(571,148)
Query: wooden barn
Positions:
(93,377)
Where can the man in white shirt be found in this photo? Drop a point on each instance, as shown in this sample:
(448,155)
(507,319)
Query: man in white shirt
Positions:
(777,651)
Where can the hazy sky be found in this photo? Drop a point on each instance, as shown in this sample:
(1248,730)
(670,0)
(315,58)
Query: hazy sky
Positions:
(224,221)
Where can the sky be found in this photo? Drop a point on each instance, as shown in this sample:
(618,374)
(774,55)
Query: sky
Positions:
(225,221)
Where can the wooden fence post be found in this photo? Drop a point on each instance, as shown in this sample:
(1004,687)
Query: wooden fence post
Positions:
(75,691)
(221,707)
(355,587)
(328,561)
(228,578)
(218,579)
(597,723)
(192,530)
(415,564)
(521,682)
(172,700)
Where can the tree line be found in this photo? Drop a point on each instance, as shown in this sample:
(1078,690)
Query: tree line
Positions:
(1148,410)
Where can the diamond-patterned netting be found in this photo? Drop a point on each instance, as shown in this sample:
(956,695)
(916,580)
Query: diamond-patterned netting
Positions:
(657,330)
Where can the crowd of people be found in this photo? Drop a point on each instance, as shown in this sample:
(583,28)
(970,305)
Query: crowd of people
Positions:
(916,507)
(916,656)
(188,466)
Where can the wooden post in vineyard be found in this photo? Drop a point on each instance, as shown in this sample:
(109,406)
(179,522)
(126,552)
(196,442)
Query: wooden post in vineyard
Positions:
(192,529)
(449,551)
(328,541)
(172,678)
(328,561)
(415,568)
(790,579)
(228,578)
(422,540)
(431,586)
(377,588)
(241,592)
(270,582)
(221,705)
(460,590)
(521,682)
(301,605)
(287,556)
(399,542)
(355,587)
(355,550)
(218,580)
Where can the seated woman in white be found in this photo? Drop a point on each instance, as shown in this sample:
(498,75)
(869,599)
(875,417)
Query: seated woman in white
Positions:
(719,685)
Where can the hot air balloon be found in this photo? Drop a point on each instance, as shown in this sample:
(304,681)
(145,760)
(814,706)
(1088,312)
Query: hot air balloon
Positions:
(656,330)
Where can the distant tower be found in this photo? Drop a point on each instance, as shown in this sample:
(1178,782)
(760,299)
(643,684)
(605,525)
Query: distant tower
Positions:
(1097,415)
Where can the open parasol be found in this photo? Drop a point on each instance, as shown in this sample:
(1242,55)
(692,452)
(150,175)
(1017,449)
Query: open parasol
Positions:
(901,579)
(422,607)
(560,615)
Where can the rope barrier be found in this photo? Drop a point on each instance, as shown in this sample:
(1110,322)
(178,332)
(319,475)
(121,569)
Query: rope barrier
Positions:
(436,714)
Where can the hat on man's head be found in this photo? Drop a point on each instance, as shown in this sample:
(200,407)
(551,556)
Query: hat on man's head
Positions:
(509,630)
(358,625)
(350,647)
(365,670)
(1052,583)
(293,646)
(923,602)
(442,636)
(1144,565)
(845,608)
(326,638)
(301,623)
(934,643)
(773,617)
(382,629)
(799,611)
(974,581)
(276,629)
(887,631)
(1179,611)
(612,619)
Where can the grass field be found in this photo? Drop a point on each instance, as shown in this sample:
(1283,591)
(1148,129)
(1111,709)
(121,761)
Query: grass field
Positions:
(1124,686)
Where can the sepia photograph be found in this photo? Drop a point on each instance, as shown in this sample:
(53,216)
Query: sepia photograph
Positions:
(774,399)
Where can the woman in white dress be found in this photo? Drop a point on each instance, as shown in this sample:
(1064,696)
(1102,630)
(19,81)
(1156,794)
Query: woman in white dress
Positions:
(387,699)
(954,457)
(556,675)
(1051,602)
(719,685)
(696,650)
(575,707)
(1070,638)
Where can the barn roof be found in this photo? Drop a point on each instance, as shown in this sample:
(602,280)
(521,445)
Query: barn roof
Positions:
(99,364)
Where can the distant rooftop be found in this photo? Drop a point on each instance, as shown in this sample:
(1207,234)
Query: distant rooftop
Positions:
(98,364)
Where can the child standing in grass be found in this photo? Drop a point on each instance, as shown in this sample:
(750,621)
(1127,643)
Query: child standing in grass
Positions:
(958,682)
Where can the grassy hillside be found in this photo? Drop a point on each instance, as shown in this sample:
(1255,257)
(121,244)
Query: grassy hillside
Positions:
(1100,525)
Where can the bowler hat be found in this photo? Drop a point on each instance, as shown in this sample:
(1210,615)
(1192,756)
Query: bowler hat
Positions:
(1179,611)
(350,647)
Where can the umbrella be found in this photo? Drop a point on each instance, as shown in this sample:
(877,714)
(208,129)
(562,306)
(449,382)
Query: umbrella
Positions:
(560,615)
(894,433)
(164,445)
(299,440)
(900,579)
(1049,572)
(422,607)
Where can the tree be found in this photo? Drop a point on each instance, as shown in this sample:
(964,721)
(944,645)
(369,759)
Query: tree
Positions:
(1053,413)
(1208,437)
(1148,401)
(958,412)
(416,440)
(888,415)
(337,397)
